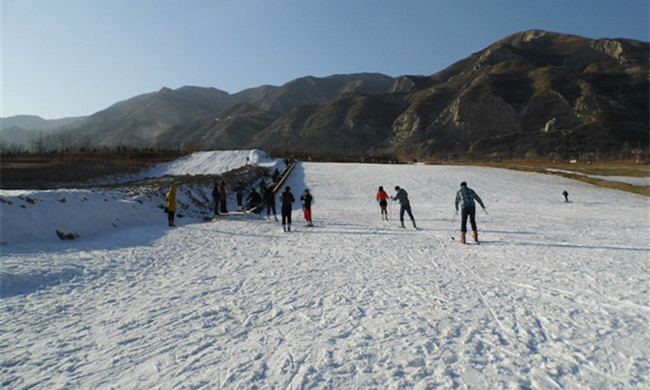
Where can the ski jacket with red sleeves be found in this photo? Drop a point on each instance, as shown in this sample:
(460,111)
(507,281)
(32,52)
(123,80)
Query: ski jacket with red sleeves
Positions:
(382,195)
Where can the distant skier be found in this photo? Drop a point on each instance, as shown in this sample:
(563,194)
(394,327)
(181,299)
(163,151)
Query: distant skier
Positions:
(170,207)
(465,200)
(566,196)
(405,206)
(306,200)
(382,198)
(286,202)
(223,196)
(269,202)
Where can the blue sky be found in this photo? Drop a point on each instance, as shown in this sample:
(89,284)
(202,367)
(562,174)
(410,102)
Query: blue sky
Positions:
(76,57)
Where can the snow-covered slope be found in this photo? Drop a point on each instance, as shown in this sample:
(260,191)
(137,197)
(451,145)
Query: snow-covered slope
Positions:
(556,296)
(34,216)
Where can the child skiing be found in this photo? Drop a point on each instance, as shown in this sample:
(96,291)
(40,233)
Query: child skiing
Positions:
(306,200)
(382,198)
(465,199)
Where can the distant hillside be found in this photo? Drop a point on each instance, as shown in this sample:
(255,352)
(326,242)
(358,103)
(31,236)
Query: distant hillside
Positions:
(33,122)
(532,94)
(21,130)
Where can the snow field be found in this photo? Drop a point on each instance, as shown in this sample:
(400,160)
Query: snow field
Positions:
(555,297)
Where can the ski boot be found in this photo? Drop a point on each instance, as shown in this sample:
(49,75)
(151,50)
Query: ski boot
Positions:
(462,238)
(475,236)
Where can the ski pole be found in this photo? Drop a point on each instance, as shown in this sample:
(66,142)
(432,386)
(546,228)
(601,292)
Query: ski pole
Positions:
(454,217)
(485,211)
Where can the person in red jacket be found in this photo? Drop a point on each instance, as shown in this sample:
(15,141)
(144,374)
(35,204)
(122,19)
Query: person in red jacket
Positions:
(382,198)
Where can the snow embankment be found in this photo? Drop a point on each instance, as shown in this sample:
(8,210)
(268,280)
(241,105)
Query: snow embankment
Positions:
(42,216)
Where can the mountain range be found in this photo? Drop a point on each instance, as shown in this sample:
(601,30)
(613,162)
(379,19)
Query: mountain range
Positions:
(532,94)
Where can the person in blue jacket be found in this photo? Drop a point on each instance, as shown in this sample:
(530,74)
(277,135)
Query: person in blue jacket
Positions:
(465,198)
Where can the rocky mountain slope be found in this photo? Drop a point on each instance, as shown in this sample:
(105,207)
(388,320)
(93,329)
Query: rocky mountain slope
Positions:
(532,94)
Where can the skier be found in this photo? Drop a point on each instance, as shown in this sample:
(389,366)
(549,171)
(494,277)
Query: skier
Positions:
(382,198)
(465,199)
(170,208)
(566,196)
(306,200)
(253,201)
(286,200)
(405,205)
(217,198)
(269,202)
(224,197)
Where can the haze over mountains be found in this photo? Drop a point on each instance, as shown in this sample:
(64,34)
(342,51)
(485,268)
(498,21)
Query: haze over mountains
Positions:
(531,94)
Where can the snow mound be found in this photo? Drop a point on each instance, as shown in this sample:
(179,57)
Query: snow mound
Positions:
(212,163)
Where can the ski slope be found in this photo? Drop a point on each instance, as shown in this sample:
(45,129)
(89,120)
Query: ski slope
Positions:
(556,296)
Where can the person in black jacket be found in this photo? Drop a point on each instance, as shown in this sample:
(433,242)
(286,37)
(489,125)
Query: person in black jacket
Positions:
(286,201)
(405,205)
(223,194)
(269,202)
(253,201)
(306,200)
(239,191)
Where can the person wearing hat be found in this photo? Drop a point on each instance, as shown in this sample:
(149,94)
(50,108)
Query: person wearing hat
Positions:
(306,200)
(286,202)
(465,200)
(405,205)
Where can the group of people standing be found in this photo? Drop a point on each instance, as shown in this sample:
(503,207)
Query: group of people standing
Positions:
(255,201)
(465,201)
(258,202)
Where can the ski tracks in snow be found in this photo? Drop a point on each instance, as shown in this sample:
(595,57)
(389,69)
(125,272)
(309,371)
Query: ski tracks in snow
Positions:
(354,302)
